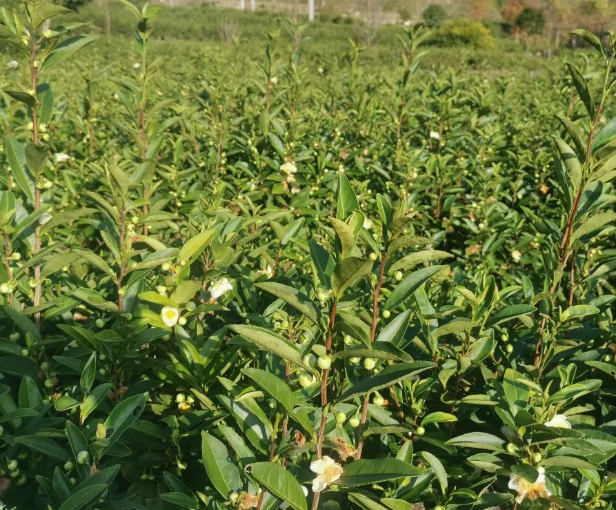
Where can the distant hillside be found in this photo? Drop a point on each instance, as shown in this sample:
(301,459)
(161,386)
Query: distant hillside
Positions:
(387,11)
(559,14)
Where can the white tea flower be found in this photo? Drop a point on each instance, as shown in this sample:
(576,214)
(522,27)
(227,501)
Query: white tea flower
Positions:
(268,271)
(12,64)
(516,255)
(170,316)
(61,157)
(368,223)
(531,490)
(328,471)
(559,421)
(136,65)
(434,135)
(220,288)
(288,168)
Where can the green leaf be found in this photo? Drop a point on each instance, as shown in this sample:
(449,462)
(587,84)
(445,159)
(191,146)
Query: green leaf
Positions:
(480,440)
(94,299)
(96,261)
(438,468)
(370,471)
(195,246)
(156,298)
(383,351)
(42,11)
(184,292)
(590,38)
(65,217)
(571,161)
(291,230)
(271,342)
(44,445)
(323,262)
(121,418)
(388,376)
(222,472)
(132,8)
(179,499)
(156,259)
(582,89)
(418,258)
(509,313)
(250,419)
(453,328)
(574,391)
(93,400)
(578,311)
(575,133)
(16,156)
(608,368)
(398,504)
(604,136)
(438,417)
(367,503)
(23,97)
(18,414)
(279,390)
(349,271)
(407,287)
(404,241)
(394,331)
(83,498)
(67,48)
(567,462)
(64,403)
(244,454)
(347,201)
(280,482)
(23,322)
(36,158)
(516,393)
(592,224)
(88,374)
(45,98)
(293,297)
(345,234)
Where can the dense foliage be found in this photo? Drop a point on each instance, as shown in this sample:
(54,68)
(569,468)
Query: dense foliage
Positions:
(434,15)
(298,283)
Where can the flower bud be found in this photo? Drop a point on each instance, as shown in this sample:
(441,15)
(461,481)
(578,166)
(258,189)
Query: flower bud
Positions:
(306,380)
(324,362)
(369,363)
(83,457)
(378,400)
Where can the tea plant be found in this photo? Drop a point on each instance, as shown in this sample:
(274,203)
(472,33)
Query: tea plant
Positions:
(296,285)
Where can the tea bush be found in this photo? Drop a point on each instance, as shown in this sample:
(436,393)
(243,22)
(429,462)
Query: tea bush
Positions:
(293,283)
(464,32)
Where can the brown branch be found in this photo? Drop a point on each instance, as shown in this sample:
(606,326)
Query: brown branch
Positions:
(324,401)
(375,319)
